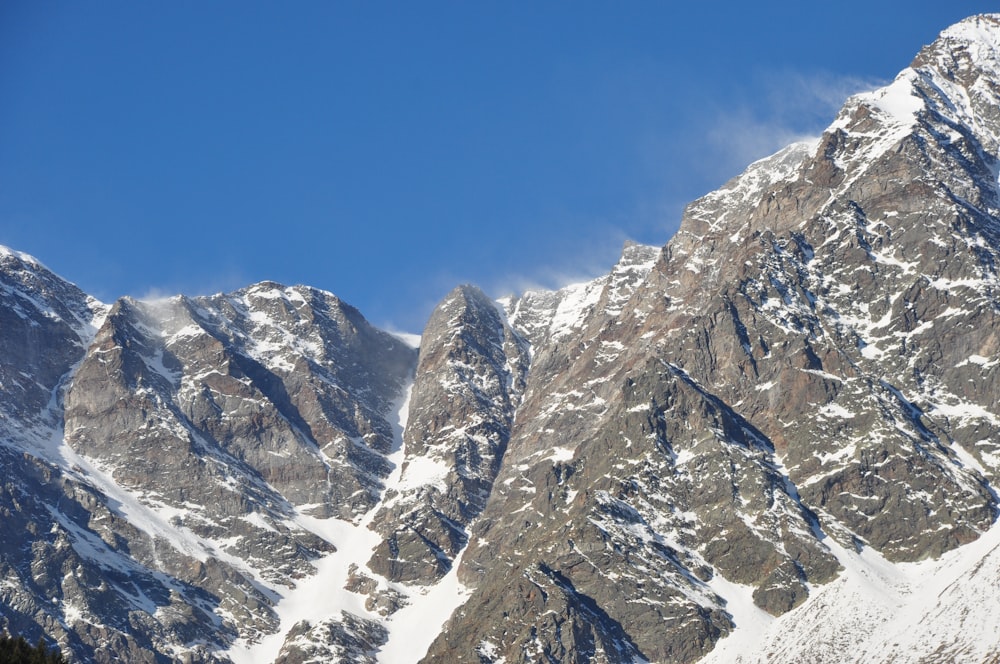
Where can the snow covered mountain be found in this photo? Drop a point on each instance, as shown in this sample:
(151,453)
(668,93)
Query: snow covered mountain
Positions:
(774,439)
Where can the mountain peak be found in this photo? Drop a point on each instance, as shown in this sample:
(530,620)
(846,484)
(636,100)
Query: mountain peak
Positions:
(7,252)
(981,29)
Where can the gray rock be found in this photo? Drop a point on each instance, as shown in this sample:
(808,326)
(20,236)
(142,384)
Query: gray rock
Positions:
(468,384)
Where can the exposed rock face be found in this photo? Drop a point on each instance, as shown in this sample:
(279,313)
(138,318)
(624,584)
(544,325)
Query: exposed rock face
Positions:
(810,357)
(788,409)
(468,385)
(348,639)
(288,388)
(196,430)
(621,467)
(47,324)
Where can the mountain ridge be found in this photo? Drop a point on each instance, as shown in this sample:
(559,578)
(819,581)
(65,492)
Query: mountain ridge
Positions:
(765,441)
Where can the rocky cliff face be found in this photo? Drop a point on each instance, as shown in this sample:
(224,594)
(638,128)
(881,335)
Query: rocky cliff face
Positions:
(810,359)
(708,453)
(185,438)
(468,385)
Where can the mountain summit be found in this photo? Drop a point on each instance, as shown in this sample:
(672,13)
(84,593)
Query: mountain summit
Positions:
(774,439)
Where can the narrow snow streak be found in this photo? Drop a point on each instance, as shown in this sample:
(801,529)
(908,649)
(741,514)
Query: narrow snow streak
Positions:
(411,630)
(323,595)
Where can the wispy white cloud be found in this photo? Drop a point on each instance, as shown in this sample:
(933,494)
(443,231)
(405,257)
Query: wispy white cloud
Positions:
(224,281)
(730,129)
(786,107)
(154,294)
(575,260)
(779,108)
(411,339)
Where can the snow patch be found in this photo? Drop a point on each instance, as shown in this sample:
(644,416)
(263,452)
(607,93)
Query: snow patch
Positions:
(833,410)
(560,455)
(424,471)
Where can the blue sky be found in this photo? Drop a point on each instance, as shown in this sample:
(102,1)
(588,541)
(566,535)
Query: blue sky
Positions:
(389,151)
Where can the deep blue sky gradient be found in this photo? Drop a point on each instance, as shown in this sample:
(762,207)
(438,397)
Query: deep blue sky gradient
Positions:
(389,151)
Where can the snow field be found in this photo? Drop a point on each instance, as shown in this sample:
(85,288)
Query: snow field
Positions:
(876,610)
